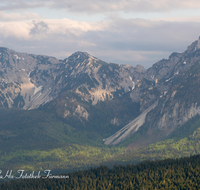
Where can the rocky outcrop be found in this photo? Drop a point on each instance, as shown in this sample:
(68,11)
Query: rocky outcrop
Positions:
(177,117)
(81,112)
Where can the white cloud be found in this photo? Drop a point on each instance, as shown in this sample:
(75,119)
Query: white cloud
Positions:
(31,28)
(15,29)
(64,26)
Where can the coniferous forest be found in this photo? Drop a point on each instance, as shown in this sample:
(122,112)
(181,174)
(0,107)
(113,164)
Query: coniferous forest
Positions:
(180,174)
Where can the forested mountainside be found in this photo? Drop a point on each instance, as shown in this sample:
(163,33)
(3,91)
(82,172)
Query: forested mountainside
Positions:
(182,173)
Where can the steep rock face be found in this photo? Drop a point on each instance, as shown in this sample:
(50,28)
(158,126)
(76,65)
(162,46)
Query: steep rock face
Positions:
(177,106)
(9,93)
(177,117)
(182,101)
(30,73)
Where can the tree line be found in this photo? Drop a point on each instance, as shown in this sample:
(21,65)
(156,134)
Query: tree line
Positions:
(177,174)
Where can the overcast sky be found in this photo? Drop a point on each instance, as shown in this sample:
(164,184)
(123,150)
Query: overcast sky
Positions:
(122,31)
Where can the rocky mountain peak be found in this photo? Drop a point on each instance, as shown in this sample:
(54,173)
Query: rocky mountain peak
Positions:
(198,44)
(79,55)
(140,69)
(78,59)
(194,46)
(3,49)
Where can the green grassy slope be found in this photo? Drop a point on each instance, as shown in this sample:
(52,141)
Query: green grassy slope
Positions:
(47,145)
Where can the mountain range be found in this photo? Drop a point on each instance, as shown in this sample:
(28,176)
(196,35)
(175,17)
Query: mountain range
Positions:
(81,111)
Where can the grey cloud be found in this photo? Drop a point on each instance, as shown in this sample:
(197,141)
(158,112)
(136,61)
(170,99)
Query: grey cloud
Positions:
(133,41)
(152,36)
(39,28)
(106,6)
(20,5)
(103,6)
